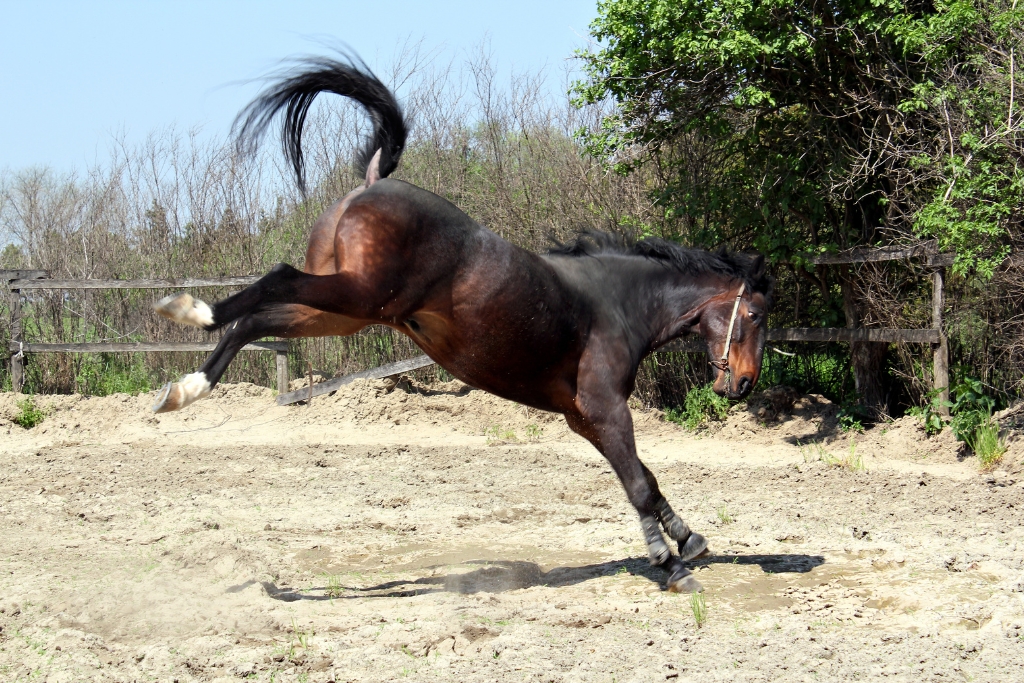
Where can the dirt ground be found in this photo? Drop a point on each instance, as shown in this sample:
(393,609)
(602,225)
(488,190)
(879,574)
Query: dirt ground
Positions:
(404,533)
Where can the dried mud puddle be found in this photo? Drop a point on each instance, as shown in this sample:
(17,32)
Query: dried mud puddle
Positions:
(867,589)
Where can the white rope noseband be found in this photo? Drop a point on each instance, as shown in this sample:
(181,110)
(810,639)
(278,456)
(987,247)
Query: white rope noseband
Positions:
(723,362)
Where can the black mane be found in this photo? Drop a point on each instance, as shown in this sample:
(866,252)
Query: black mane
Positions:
(746,267)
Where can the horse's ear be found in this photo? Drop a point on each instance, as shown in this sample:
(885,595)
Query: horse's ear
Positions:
(373,169)
(757,267)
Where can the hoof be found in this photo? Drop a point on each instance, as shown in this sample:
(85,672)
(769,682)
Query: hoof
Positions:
(177,395)
(687,584)
(693,547)
(169,399)
(659,553)
(683,581)
(182,308)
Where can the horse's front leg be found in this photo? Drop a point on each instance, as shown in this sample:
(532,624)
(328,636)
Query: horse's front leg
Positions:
(605,421)
(691,544)
(282,320)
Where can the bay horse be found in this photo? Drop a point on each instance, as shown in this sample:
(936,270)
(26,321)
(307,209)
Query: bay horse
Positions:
(563,331)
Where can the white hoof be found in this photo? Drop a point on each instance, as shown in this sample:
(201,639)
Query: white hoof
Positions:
(182,308)
(177,395)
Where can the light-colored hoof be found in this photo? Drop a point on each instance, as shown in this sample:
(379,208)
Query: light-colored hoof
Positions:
(687,584)
(183,308)
(177,395)
(169,399)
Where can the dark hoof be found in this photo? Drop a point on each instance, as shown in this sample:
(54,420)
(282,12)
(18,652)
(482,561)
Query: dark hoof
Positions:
(693,547)
(659,553)
(683,581)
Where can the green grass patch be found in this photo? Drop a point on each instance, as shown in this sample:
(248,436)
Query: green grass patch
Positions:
(701,407)
(30,414)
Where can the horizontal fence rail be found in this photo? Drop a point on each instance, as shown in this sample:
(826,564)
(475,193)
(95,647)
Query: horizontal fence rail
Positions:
(243,281)
(133,347)
(20,280)
(927,252)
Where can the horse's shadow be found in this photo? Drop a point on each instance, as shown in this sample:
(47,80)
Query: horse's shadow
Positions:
(500,576)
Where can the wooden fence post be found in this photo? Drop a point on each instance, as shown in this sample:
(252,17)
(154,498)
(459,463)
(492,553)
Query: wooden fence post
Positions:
(17,337)
(282,372)
(940,351)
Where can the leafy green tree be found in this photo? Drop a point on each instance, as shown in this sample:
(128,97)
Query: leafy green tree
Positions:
(799,127)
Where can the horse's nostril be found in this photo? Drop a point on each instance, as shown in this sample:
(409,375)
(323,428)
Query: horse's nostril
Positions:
(744,385)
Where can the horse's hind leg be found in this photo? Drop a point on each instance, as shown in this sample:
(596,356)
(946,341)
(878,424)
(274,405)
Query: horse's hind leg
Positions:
(691,544)
(351,295)
(278,321)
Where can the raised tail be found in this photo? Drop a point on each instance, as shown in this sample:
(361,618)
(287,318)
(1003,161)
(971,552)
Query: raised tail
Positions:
(294,93)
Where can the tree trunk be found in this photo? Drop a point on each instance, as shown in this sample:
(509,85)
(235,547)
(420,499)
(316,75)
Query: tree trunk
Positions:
(868,358)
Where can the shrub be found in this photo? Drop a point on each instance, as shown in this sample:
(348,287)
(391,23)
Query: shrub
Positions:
(701,406)
(30,415)
(972,422)
(929,414)
(971,408)
(852,417)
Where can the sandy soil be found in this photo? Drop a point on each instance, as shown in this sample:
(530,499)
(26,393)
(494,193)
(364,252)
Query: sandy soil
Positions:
(392,533)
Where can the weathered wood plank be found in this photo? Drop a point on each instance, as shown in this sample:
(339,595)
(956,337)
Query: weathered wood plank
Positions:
(131,347)
(281,361)
(940,350)
(875,254)
(940,260)
(9,275)
(845,334)
(17,357)
(240,281)
(820,334)
(338,382)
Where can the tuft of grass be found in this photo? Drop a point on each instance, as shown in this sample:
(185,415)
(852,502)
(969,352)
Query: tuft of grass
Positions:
(30,414)
(988,445)
(699,608)
(303,638)
(851,460)
(701,406)
(334,588)
(499,434)
(533,432)
(851,418)
(723,515)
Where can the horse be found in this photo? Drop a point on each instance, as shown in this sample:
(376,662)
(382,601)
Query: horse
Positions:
(564,331)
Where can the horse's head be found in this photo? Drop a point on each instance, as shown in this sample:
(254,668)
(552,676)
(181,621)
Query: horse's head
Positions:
(743,309)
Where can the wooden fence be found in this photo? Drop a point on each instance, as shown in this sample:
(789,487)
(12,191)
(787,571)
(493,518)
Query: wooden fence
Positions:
(19,281)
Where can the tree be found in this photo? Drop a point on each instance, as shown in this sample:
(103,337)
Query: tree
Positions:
(835,123)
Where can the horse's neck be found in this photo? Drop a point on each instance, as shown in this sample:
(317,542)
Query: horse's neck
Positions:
(683,301)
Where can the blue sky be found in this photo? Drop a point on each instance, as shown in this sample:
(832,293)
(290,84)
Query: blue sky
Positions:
(73,75)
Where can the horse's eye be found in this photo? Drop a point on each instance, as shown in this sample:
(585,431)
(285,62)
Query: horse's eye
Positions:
(754,316)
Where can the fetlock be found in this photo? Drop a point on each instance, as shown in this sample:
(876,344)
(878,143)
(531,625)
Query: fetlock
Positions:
(657,550)
(674,526)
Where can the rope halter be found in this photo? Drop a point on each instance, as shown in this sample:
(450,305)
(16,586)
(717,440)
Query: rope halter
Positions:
(723,362)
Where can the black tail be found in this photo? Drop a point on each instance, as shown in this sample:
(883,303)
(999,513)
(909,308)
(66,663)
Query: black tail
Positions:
(295,93)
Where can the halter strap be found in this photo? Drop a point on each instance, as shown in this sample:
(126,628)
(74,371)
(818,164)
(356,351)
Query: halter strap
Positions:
(723,362)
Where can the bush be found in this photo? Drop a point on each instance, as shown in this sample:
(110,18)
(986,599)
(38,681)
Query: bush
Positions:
(701,406)
(972,422)
(971,409)
(929,414)
(30,415)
